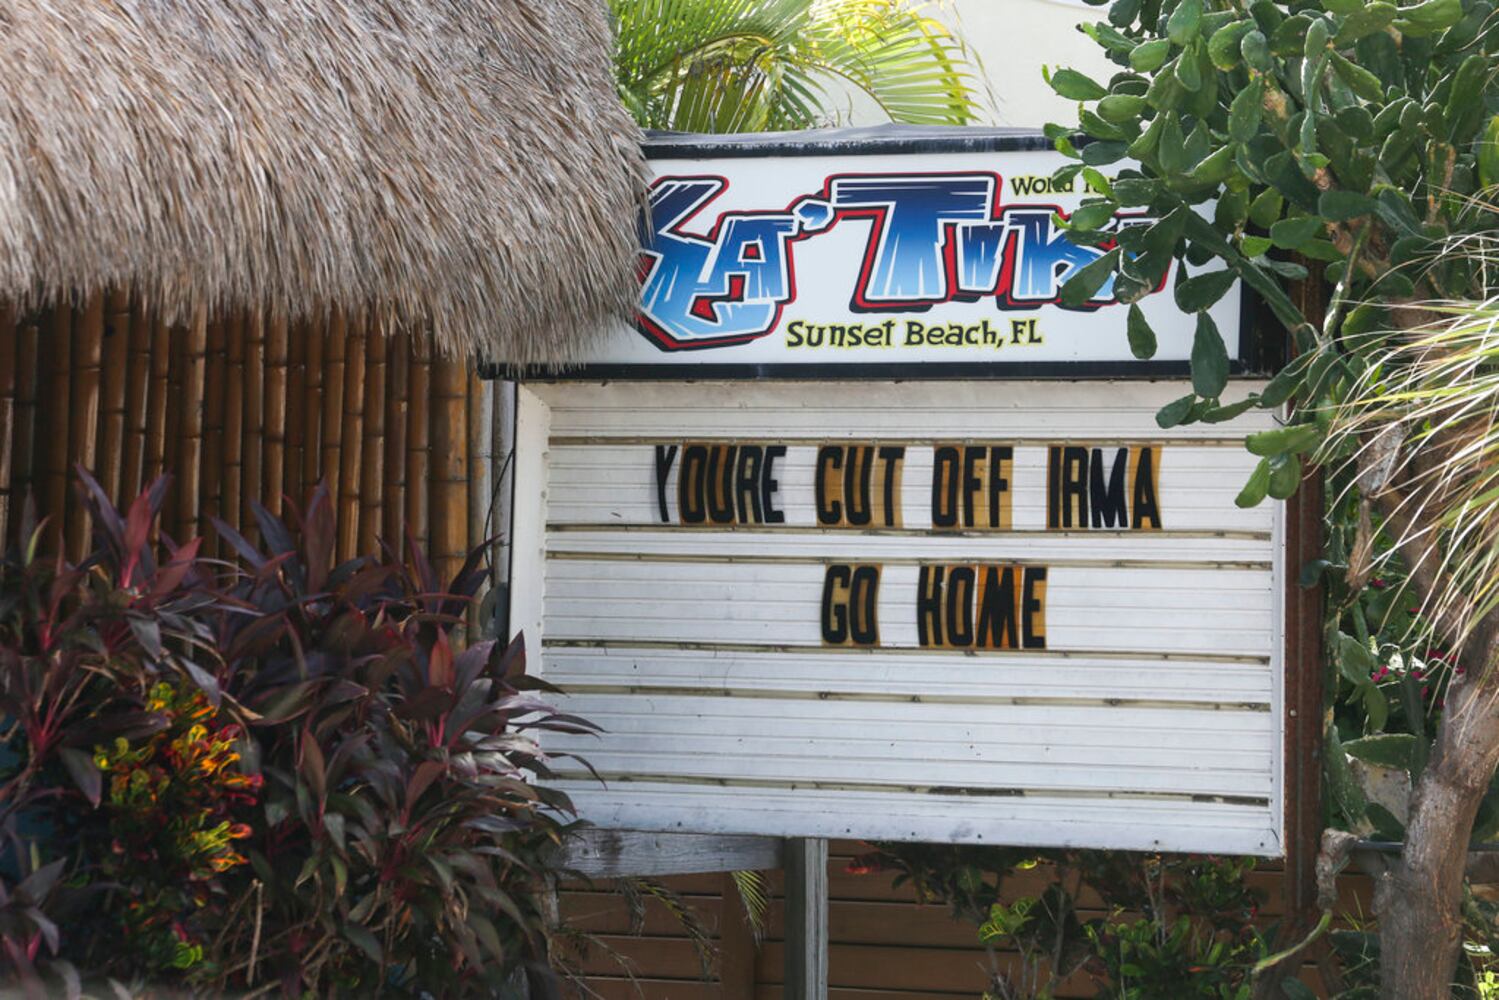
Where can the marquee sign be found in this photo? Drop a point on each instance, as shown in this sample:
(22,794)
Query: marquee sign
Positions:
(937,257)
(817,572)
(982,612)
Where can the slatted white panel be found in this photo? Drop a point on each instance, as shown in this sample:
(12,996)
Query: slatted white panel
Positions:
(1151,720)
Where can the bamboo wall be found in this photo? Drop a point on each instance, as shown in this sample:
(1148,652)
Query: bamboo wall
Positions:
(239,408)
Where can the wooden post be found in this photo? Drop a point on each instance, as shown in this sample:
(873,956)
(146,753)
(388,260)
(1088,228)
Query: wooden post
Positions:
(806,919)
(215,410)
(297,345)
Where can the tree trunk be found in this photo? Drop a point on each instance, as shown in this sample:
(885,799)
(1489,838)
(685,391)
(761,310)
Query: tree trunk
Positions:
(1420,923)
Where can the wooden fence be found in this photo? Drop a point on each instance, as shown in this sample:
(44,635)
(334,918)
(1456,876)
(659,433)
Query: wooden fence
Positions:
(241,408)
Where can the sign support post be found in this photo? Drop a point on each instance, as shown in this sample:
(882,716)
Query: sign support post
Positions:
(806,919)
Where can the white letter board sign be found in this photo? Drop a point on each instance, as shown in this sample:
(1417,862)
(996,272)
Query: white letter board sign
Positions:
(878,592)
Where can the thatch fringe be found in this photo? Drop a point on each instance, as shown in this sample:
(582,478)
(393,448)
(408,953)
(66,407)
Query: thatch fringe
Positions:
(463,168)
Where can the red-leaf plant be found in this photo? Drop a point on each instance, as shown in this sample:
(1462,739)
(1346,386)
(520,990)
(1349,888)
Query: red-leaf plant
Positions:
(397,844)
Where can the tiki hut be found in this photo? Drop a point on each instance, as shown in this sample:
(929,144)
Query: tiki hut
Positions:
(258,243)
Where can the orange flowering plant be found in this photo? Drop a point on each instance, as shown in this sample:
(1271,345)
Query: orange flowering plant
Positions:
(276,776)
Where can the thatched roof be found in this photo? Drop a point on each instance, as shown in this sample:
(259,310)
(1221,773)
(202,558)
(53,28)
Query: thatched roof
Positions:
(463,163)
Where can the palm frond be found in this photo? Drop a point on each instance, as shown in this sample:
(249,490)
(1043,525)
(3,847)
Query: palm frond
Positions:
(749,65)
(754,895)
(1421,427)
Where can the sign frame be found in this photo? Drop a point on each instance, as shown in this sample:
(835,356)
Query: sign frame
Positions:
(1258,353)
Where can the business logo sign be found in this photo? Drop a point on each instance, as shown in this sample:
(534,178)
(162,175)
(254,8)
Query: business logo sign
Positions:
(878,259)
(933,238)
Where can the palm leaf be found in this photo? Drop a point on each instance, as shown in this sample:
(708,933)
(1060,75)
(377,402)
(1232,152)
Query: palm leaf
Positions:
(748,65)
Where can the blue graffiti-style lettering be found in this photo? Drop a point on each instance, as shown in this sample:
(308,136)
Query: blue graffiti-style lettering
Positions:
(1044,258)
(709,291)
(934,238)
(905,261)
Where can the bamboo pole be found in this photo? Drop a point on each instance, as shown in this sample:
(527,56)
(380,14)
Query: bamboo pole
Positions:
(398,370)
(418,412)
(312,410)
(172,409)
(215,410)
(333,403)
(116,361)
(253,440)
(235,396)
(58,414)
(189,441)
(350,457)
(162,391)
(28,377)
(274,459)
(83,427)
(296,407)
(449,475)
(372,463)
(137,393)
(476,437)
(9,349)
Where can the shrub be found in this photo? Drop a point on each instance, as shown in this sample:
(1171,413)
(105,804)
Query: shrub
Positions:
(282,774)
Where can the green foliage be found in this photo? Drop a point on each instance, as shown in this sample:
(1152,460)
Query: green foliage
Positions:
(1173,925)
(1359,134)
(282,776)
(758,65)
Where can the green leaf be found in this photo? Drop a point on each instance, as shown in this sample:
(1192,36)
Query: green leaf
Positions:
(1291,440)
(1285,476)
(1214,168)
(1340,780)
(1255,489)
(1265,209)
(1121,108)
(1142,343)
(1365,21)
(1099,154)
(1093,215)
(1174,412)
(1292,234)
(1173,150)
(1219,414)
(1245,111)
(1187,69)
(1355,659)
(1393,750)
(1185,21)
(366,942)
(1223,46)
(1136,191)
(1253,246)
(1340,206)
(1204,290)
(1150,56)
(1209,359)
(1256,51)
(1074,86)
(1359,80)
(1089,278)
(1433,15)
